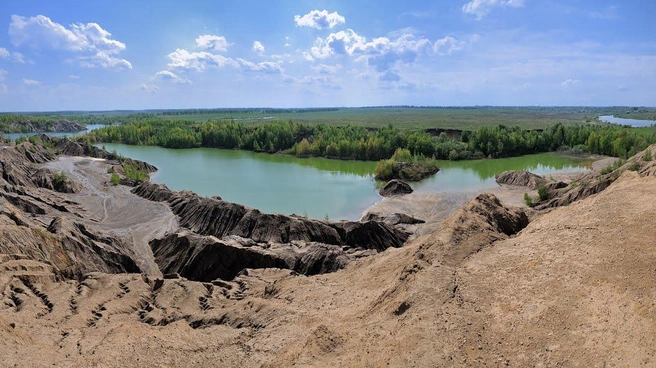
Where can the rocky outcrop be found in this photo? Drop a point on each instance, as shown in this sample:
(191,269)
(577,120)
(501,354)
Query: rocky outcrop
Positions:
(91,250)
(393,219)
(395,187)
(206,258)
(521,178)
(225,237)
(71,248)
(211,216)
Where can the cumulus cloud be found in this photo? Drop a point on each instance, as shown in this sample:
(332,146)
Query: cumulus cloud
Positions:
(569,82)
(31,82)
(481,8)
(448,45)
(268,67)
(93,44)
(198,61)
(211,42)
(383,52)
(170,76)
(258,47)
(319,19)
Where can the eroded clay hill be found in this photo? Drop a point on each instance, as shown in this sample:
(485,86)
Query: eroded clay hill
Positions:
(574,287)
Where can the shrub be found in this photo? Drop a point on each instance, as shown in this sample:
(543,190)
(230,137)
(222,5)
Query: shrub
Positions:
(634,166)
(115,179)
(528,200)
(384,169)
(542,192)
(60,178)
(647,155)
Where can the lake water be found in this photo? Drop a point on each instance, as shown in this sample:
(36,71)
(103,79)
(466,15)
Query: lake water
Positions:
(317,187)
(632,122)
(90,127)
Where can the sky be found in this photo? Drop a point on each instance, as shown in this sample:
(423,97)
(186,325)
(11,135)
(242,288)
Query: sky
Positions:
(165,54)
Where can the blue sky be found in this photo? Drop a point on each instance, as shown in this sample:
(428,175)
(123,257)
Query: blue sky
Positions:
(101,55)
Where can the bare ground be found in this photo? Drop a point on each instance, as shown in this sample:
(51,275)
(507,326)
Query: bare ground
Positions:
(574,288)
(113,208)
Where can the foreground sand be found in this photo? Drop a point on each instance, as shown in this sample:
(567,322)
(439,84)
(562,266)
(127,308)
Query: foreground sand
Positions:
(574,288)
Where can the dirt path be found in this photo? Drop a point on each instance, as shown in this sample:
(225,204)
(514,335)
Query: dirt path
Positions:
(114,208)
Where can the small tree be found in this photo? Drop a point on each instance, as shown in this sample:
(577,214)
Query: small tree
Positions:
(542,192)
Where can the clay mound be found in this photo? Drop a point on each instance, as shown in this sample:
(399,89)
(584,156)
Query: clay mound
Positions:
(92,251)
(205,258)
(211,216)
(395,187)
(480,222)
(521,178)
(393,219)
(594,183)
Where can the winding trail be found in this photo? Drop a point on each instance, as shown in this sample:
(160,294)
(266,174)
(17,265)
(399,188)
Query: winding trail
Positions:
(115,208)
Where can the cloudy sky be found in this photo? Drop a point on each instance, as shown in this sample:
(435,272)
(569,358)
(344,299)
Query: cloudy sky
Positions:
(101,55)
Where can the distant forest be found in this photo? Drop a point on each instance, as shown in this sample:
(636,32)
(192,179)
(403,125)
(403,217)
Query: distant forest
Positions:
(355,142)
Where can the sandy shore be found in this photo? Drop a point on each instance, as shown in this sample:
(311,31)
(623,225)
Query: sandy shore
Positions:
(434,207)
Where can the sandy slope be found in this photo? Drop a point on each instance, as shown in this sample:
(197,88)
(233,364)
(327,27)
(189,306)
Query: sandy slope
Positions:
(574,288)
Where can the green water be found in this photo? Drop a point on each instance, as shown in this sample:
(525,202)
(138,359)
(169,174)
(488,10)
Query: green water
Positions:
(317,187)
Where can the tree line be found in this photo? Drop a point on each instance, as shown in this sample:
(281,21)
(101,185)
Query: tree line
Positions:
(356,142)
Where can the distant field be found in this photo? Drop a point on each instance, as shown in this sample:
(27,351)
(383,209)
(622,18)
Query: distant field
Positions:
(417,118)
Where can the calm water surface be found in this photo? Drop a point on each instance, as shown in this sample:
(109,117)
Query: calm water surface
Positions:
(317,187)
(632,122)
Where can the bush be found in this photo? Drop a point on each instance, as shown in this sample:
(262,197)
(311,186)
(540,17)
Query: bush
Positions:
(384,169)
(542,192)
(634,166)
(647,155)
(528,200)
(60,178)
(115,179)
(132,173)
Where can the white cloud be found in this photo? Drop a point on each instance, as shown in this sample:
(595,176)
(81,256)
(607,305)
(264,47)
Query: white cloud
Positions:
(198,61)
(383,52)
(448,45)
(570,82)
(268,67)
(94,44)
(258,47)
(211,42)
(14,56)
(74,76)
(326,69)
(169,75)
(319,19)
(31,82)
(287,44)
(481,8)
